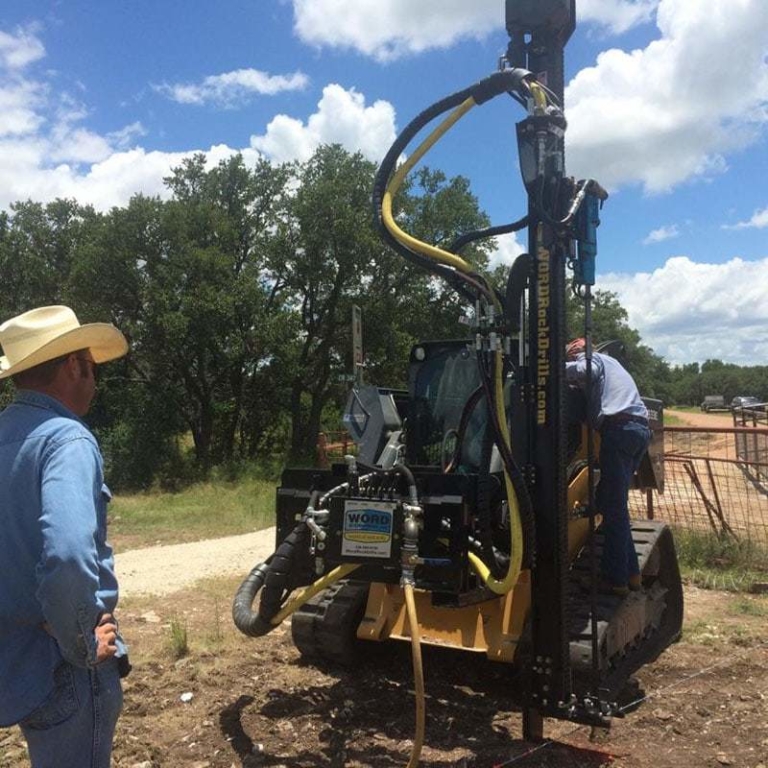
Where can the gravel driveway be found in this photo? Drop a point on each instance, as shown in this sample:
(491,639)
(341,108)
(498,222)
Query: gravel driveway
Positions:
(165,569)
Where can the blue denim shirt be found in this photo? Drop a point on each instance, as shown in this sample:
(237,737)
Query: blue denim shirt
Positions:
(55,564)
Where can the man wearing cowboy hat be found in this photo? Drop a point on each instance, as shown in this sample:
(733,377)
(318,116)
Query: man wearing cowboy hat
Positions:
(59,647)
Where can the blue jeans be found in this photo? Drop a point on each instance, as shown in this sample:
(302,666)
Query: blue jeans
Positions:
(74,726)
(621,448)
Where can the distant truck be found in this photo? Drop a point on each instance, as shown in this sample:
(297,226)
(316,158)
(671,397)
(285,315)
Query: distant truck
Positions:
(747,404)
(714,403)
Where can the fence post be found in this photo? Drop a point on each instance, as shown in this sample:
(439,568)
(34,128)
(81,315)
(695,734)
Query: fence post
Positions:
(649,503)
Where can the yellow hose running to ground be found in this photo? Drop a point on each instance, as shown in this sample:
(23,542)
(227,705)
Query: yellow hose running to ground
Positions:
(418,676)
(309,592)
(515,526)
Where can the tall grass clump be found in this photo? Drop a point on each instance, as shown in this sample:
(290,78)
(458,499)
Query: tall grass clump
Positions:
(720,562)
(178,638)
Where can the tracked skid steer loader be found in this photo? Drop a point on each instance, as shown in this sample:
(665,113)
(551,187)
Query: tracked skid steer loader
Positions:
(467,519)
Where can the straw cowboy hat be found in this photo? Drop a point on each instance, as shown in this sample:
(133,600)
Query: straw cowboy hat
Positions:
(48,332)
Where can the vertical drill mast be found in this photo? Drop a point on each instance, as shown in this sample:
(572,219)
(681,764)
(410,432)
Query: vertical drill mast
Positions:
(539,30)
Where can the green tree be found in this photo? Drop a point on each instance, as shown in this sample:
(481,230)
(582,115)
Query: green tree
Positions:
(331,258)
(212,317)
(136,416)
(185,279)
(37,246)
(325,244)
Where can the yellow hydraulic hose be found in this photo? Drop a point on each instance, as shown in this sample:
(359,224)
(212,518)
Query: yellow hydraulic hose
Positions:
(515,526)
(418,676)
(438,254)
(539,94)
(431,251)
(309,592)
(418,669)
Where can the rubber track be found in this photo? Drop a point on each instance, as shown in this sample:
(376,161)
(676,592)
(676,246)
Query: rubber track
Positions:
(656,554)
(324,628)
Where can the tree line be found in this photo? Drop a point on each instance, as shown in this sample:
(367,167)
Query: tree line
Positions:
(685,385)
(236,292)
(236,295)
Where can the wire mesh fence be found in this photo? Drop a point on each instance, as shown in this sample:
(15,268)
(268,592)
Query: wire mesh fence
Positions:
(716,481)
(751,444)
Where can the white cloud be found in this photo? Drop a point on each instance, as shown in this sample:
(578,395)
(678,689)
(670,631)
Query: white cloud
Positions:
(230,89)
(110,182)
(389,29)
(19,103)
(21,49)
(759,220)
(687,311)
(664,114)
(507,250)
(667,232)
(341,118)
(46,151)
(616,16)
(123,137)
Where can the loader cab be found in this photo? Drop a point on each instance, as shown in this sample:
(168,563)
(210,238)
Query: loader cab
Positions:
(444,388)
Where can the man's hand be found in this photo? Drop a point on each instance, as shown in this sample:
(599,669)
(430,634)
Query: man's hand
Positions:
(106,636)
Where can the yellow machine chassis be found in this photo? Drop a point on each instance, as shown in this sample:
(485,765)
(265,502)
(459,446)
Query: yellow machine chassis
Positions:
(493,627)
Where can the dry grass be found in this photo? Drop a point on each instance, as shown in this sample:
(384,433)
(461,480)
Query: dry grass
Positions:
(202,511)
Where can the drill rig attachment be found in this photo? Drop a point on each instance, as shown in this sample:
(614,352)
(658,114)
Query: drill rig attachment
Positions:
(467,518)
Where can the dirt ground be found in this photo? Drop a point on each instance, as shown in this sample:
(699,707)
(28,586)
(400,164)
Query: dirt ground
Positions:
(237,702)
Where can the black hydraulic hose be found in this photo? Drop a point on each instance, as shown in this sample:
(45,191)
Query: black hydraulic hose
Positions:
(480,234)
(484,482)
(273,577)
(488,88)
(482,91)
(518,482)
(466,414)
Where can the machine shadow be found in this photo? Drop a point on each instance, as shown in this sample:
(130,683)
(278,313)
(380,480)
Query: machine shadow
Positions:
(360,716)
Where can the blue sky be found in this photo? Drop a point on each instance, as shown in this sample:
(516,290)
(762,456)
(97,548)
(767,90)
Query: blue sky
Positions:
(667,102)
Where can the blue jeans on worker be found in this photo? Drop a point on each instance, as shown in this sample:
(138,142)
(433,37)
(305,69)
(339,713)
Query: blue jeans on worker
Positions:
(621,448)
(74,726)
